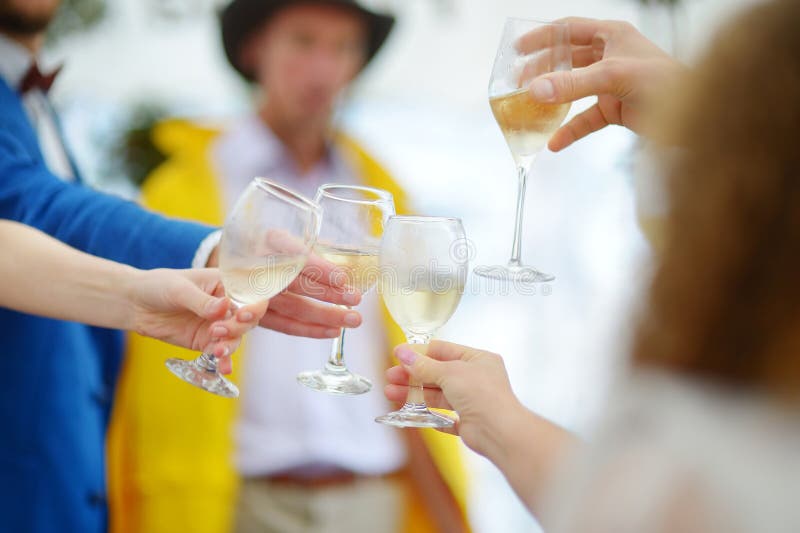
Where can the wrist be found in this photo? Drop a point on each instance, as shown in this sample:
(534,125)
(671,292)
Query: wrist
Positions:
(127,282)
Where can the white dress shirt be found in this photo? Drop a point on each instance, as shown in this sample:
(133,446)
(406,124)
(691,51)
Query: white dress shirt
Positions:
(15,60)
(282,425)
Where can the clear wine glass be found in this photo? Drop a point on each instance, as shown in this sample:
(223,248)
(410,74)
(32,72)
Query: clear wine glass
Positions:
(424,268)
(350,236)
(265,243)
(528,49)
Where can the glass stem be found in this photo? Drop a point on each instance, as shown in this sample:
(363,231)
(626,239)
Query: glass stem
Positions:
(516,247)
(207,362)
(416,395)
(336,359)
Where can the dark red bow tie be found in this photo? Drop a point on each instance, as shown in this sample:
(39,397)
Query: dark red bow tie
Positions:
(34,79)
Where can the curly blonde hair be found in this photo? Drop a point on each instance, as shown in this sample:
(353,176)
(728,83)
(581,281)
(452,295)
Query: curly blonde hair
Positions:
(725,299)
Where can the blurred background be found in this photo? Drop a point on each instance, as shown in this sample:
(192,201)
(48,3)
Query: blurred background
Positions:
(422,109)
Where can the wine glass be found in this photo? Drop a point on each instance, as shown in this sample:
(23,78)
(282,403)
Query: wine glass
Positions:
(265,243)
(423,272)
(527,50)
(352,224)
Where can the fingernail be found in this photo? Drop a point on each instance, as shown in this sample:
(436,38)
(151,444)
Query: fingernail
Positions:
(543,89)
(407,356)
(331,333)
(351,298)
(352,319)
(219,331)
(245,316)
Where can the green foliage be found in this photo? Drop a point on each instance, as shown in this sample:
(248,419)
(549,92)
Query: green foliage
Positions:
(132,153)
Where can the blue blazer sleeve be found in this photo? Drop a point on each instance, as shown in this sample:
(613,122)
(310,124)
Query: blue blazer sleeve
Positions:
(97,223)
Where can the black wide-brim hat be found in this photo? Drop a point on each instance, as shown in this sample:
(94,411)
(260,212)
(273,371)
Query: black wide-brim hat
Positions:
(243,17)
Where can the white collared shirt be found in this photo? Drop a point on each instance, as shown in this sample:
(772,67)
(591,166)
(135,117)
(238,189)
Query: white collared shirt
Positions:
(15,60)
(283,425)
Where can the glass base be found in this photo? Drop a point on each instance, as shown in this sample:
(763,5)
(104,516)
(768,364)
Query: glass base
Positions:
(335,380)
(211,381)
(514,273)
(415,416)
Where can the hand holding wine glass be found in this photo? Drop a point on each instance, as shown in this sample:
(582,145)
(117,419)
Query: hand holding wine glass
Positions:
(528,49)
(423,274)
(472,382)
(265,244)
(613,61)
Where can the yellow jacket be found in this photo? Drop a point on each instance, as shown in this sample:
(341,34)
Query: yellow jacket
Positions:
(170,445)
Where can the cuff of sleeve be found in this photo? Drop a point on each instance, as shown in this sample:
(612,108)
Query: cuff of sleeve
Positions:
(207,246)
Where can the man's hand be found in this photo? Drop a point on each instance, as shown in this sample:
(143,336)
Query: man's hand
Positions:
(303,308)
(300,310)
(614,62)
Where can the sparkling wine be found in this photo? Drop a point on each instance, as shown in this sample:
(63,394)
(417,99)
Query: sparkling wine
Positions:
(360,266)
(526,124)
(422,311)
(246,285)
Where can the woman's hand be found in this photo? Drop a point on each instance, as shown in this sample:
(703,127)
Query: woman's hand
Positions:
(188,308)
(474,383)
(614,62)
(527,448)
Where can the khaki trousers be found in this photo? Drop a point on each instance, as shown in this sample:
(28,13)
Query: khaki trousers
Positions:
(368,505)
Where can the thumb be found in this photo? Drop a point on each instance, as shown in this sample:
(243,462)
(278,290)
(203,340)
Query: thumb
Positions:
(191,297)
(571,85)
(420,367)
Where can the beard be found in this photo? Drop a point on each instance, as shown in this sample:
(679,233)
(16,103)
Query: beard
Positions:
(18,22)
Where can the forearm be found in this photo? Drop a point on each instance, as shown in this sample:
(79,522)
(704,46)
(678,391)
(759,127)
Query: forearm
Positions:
(93,222)
(45,277)
(529,450)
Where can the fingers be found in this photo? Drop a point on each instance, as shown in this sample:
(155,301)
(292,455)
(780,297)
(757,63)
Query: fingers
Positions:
(433,397)
(310,311)
(420,367)
(311,283)
(441,350)
(540,38)
(582,31)
(237,325)
(397,375)
(222,350)
(570,85)
(579,127)
(195,290)
(583,56)
(298,328)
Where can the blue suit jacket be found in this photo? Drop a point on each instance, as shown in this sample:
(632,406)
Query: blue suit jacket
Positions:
(58,377)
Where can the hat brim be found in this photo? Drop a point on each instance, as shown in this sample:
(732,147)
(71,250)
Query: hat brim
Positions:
(241,18)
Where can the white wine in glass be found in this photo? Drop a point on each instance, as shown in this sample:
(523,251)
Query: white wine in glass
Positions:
(352,225)
(359,266)
(248,285)
(527,50)
(423,275)
(526,124)
(423,309)
(265,244)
